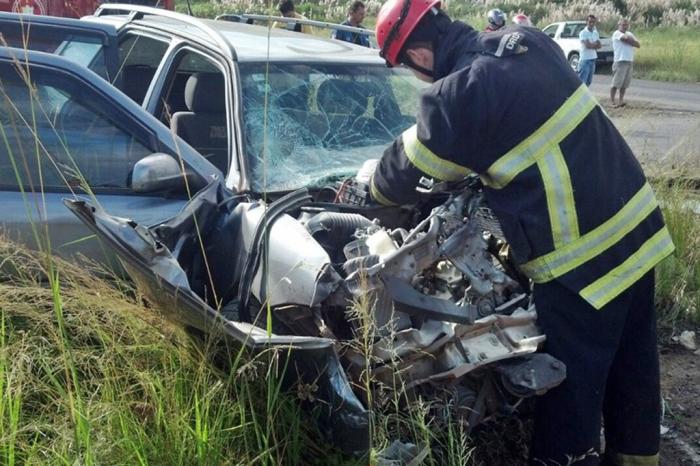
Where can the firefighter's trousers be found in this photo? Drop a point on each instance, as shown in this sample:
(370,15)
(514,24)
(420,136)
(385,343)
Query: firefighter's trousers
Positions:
(612,370)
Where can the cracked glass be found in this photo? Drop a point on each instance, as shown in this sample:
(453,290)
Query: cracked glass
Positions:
(306,125)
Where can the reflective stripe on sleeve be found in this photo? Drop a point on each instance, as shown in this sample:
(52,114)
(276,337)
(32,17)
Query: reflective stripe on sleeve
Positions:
(377,194)
(428,162)
(606,288)
(636,460)
(574,254)
(553,131)
(560,197)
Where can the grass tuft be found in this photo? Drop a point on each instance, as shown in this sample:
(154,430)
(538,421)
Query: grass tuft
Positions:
(678,277)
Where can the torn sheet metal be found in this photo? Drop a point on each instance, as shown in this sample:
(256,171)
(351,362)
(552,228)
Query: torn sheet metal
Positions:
(431,308)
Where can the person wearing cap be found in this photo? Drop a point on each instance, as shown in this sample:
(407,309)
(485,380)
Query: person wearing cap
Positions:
(579,216)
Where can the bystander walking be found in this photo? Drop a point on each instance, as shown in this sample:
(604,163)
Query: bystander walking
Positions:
(624,43)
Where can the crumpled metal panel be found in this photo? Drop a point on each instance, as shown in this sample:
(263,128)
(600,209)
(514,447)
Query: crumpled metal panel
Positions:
(312,361)
(444,352)
(296,263)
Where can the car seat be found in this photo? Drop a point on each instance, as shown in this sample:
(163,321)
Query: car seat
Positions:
(204,125)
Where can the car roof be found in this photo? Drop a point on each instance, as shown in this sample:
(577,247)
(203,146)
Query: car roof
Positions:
(247,42)
(105,29)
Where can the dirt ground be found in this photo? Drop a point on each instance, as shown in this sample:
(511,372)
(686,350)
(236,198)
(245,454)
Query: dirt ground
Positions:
(680,388)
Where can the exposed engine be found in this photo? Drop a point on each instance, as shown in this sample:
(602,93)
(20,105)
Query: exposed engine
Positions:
(365,301)
(437,303)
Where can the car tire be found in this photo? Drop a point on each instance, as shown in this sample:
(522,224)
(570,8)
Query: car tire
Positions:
(573,60)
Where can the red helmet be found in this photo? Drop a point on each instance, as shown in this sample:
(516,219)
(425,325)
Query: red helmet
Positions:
(522,20)
(396,21)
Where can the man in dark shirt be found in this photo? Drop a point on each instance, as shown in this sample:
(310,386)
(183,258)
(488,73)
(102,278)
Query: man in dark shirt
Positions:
(356,13)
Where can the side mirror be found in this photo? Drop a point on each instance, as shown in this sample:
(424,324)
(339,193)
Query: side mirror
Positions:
(159,172)
(551,34)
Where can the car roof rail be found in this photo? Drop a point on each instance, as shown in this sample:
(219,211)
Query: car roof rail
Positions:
(248,18)
(136,12)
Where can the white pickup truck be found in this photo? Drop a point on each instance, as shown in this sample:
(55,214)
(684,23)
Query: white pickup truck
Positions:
(565,34)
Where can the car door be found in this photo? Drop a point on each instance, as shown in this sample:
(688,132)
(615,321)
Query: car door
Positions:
(66,133)
(90,44)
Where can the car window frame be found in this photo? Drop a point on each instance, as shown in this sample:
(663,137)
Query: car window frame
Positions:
(114,112)
(130,29)
(107,34)
(154,102)
(555,29)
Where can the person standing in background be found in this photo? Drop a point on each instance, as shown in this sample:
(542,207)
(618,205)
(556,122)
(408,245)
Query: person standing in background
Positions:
(286,7)
(590,42)
(624,43)
(496,19)
(356,13)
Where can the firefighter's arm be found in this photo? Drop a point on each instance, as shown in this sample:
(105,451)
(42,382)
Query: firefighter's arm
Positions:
(430,149)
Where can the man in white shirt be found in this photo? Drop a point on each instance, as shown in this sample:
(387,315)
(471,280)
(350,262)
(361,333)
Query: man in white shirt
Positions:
(590,42)
(623,42)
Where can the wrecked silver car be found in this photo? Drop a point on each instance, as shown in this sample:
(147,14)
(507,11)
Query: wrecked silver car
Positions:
(423,299)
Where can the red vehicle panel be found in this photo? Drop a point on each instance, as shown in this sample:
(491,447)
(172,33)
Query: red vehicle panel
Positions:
(68,8)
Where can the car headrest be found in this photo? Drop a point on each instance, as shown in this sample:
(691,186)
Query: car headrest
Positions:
(204,93)
(341,96)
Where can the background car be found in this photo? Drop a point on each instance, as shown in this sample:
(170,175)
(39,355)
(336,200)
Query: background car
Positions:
(64,132)
(565,34)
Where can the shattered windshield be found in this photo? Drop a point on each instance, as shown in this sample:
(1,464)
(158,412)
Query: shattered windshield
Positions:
(322,121)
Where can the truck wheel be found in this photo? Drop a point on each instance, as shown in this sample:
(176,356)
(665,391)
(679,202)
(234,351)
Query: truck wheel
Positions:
(573,60)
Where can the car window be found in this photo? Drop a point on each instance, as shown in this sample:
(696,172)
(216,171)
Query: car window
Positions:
(551,30)
(55,134)
(139,57)
(306,123)
(84,49)
(194,106)
(571,30)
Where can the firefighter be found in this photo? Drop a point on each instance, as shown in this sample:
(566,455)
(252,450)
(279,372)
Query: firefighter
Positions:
(582,221)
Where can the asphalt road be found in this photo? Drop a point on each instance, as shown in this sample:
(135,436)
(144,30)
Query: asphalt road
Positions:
(663,95)
(661,122)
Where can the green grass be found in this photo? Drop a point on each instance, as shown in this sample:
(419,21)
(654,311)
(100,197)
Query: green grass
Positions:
(88,375)
(669,54)
(678,277)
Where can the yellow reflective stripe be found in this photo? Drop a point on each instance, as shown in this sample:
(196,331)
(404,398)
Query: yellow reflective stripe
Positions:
(427,162)
(553,131)
(572,255)
(635,460)
(606,288)
(377,195)
(560,197)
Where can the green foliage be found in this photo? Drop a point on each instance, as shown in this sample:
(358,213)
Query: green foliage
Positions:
(669,54)
(620,6)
